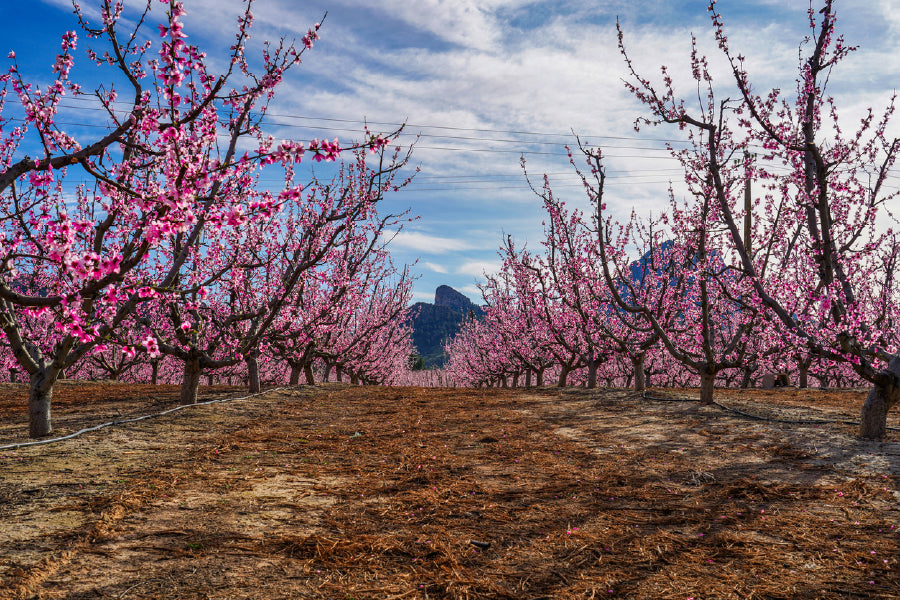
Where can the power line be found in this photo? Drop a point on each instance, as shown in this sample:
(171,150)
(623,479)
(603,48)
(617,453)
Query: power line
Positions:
(453,128)
(411,125)
(538,152)
(423,135)
(552,173)
(411,188)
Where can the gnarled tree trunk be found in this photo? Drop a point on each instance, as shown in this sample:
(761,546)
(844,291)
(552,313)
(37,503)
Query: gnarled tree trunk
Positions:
(593,365)
(707,386)
(295,374)
(40,395)
(803,375)
(252,362)
(190,381)
(747,376)
(882,397)
(640,377)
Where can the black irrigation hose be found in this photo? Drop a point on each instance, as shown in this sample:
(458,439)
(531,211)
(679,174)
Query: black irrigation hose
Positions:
(757,417)
(789,421)
(131,420)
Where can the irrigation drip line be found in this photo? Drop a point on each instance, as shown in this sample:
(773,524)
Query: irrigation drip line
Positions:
(131,420)
(645,396)
(789,421)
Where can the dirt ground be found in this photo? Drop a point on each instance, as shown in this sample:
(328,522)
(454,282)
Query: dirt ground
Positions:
(364,492)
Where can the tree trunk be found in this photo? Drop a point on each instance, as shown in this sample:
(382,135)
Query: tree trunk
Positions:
(640,377)
(563,376)
(13,375)
(746,377)
(528,378)
(354,380)
(210,379)
(540,378)
(39,397)
(190,382)
(873,420)
(593,365)
(803,375)
(154,372)
(295,374)
(515,380)
(252,361)
(327,374)
(707,385)
(504,383)
(308,371)
(338,375)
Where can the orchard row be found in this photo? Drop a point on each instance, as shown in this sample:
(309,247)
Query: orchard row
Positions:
(725,284)
(171,260)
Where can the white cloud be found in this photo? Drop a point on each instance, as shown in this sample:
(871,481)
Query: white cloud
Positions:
(427,244)
(472,292)
(478,268)
(436,267)
(465,23)
(422,297)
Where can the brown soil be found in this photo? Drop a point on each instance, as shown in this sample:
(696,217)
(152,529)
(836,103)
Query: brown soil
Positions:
(360,492)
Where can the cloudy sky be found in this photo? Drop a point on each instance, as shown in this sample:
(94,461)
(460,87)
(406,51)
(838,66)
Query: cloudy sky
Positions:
(484,82)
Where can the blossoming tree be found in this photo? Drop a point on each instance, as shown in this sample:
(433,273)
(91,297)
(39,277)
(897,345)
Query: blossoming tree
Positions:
(165,170)
(823,213)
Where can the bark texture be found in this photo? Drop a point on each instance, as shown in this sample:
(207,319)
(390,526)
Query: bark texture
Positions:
(563,376)
(252,362)
(882,397)
(40,396)
(640,378)
(707,387)
(190,382)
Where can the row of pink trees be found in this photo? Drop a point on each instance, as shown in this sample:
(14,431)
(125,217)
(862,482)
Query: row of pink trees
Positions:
(832,292)
(173,248)
(805,273)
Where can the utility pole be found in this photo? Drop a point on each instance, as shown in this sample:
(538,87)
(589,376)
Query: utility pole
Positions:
(747,379)
(748,205)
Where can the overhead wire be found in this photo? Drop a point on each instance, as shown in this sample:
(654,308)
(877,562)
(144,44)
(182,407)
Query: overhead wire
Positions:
(447,183)
(395,124)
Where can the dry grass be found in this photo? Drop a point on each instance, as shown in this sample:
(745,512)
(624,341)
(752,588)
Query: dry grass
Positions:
(357,492)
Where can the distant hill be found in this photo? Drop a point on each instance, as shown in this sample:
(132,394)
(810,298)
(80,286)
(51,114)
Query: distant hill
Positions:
(434,324)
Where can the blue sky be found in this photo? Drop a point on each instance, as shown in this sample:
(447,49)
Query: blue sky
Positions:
(485,81)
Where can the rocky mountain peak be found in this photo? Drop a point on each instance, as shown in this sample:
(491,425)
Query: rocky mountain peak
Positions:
(448,297)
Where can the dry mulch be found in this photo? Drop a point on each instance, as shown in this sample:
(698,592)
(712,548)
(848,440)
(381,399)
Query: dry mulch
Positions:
(364,492)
